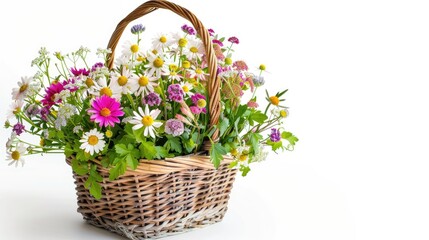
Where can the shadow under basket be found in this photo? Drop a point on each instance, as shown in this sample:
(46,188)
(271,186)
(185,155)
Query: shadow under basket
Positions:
(160,198)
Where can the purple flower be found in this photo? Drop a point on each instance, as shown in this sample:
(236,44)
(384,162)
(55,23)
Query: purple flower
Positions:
(152,99)
(174,127)
(275,135)
(233,40)
(97,66)
(188,29)
(78,72)
(175,92)
(217,42)
(195,110)
(18,128)
(199,101)
(44,112)
(32,110)
(137,29)
(211,31)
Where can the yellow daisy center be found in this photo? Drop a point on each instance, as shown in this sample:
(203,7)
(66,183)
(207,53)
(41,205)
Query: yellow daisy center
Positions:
(158,63)
(198,71)
(89,82)
(173,67)
(143,81)
(109,133)
(186,64)
(274,100)
(23,88)
(234,152)
(163,39)
(243,157)
(16,110)
(16,155)
(201,103)
(193,49)
(134,48)
(105,112)
(185,88)
(183,42)
(147,121)
(93,140)
(155,51)
(140,58)
(173,73)
(106,91)
(283,113)
(122,80)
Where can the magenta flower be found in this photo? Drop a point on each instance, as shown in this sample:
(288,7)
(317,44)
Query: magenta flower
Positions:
(78,72)
(97,66)
(105,111)
(233,40)
(18,128)
(49,98)
(217,42)
(196,97)
(275,135)
(211,31)
(44,112)
(174,127)
(188,29)
(195,110)
(199,101)
(175,92)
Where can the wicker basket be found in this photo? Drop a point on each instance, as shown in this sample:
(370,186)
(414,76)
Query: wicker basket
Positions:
(167,197)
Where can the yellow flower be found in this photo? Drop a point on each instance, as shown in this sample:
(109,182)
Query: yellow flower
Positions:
(109,133)
(274,100)
(262,67)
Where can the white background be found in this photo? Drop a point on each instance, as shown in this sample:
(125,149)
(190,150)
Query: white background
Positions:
(357,73)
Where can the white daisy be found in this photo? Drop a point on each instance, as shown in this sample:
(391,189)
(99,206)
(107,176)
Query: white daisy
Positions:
(15,157)
(197,73)
(146,119)
(126,82)
(10,140)
(187,87)
(194,49)
(101,87)
(15,108)
(130,50)
(146,85)
(92,142)
(23,88)
(156,66)
(160,42)
(180,40)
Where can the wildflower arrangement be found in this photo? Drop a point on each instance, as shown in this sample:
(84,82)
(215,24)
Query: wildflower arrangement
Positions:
(152,105)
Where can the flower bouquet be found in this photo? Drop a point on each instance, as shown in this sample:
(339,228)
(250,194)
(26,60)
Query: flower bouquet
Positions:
(155,136)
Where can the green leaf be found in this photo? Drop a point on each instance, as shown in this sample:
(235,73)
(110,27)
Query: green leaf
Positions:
(68,150)
(148,150)
(244,170)
(223,125)
(216,154)
(174,144)
(161,152)
(138,134)
(233,164)
(189,144)
(80,169)
(95,190)
(121,149)
(117,170)
(258,117)
(254,141)
(290,137)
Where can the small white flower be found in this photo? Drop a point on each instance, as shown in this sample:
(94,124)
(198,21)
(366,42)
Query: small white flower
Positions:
(77,129)
(131,50)
(23,88)
(10,140)
(126,82)
(146,120)
(187,87)
(198,73)
(100,72)
(92,142)
(15,157)
(156,66)
(101,87)
(146,85)
(102,52)
(14,109)
(64,113)
(260,156)
(63,95)
(161,42)
(194,49)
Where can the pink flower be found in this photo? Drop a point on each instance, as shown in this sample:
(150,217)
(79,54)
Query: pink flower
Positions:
(183,119)
(233,40)
(195,110)
(252,104)
(240,66)
(217,42)
(49,98)
(78,72)
(218,52)
(105,111)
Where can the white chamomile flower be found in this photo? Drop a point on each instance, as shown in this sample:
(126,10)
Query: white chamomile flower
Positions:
(146,85)
(243,155)
(126,82)
(10,140)
(15,108)
(92,142)
(146,120)
(23,88)
(194,49)
(160,42)
(15,157)
(77,129)
(131,50)
(280,112)
(187,87)
(180,40)
(156,66)
(100,88)
(197,73)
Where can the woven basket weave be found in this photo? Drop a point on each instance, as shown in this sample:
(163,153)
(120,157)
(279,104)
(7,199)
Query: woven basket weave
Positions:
(162,198)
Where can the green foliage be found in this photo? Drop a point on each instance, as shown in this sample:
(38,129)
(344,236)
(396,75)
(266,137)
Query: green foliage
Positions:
(216,154)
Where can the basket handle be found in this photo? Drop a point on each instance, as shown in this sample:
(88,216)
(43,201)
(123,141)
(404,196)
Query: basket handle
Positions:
(213,85)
